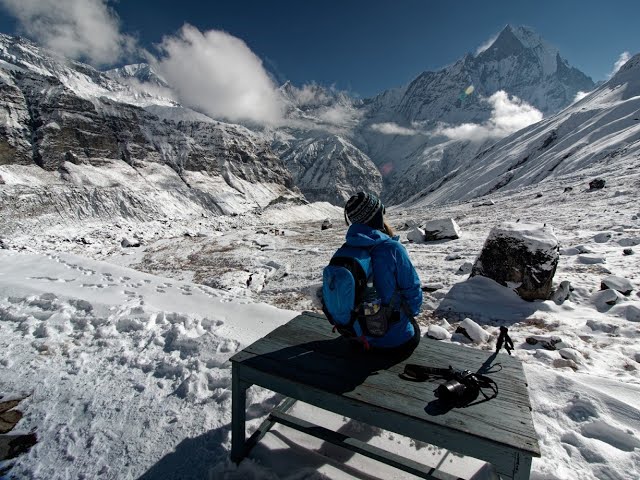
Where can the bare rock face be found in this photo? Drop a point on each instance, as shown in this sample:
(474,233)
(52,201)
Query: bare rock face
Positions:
(520,256)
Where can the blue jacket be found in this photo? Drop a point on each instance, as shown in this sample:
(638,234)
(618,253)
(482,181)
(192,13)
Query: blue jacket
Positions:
(393,272)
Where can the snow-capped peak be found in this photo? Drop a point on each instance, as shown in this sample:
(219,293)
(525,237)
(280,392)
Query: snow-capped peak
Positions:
(515,40)
(139,71)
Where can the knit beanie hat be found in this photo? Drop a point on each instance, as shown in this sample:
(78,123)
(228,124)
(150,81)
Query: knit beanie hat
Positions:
(364,208)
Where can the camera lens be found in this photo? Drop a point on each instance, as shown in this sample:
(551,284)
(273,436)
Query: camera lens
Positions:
(450,391)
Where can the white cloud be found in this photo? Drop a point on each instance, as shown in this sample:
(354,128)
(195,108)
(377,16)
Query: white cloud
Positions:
(310,95)
(622,59)
(486,44)
(390,128)
(579,96)
(81,29)
(218,74)
(508,115)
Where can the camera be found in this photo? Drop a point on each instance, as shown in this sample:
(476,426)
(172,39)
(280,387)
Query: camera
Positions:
(461,388)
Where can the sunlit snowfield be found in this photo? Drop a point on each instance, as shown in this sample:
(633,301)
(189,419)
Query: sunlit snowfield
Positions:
(124,351)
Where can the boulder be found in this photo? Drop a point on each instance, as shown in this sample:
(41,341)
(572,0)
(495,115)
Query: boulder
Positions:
(465,268)
(629,242)
(627,251)
(619,284)
(604,299)
(548,342)
(438,332)
(591,259)
(521,255)
(603,237)
(562,293)
(596,184)
(567,189)
(474,331)
(326,224)
(453,256)
(442,229)
(130,242)
(415,235)
(486,203)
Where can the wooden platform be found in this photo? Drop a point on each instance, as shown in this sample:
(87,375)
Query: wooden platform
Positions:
(305,361)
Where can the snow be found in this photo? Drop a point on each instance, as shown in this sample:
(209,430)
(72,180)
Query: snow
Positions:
(535,237)
(124,350)
(121,354)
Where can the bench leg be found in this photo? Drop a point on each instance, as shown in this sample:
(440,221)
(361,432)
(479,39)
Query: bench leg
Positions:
(522,470)
(238,414)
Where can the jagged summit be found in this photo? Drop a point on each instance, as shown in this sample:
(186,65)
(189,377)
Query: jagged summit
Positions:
(143,72)
(515,41)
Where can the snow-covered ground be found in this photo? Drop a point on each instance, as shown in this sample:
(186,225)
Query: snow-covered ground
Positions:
(122,353)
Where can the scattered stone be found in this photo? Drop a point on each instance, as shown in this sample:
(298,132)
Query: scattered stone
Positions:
(597,325)
(562,293)
(3,245)
(626,251)
(485,203)
(569,251)
(520,254)
(547,342)
(431,287)
(128,243)
(628,242)
(465,268)
(475,332)
(591,259)
(441,229)
(326,224)
(438,332)
(604,299)
(567,189)
(564,363)
(571,354)
(619,193)
(2,182)
(597,184)
(620,284)
(603,237)
(628,311)
(410,223)
(415,235)
(453,256)
(539,195)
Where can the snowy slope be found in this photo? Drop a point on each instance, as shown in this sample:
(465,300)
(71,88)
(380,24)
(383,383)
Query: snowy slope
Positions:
(599,135)
(76,145)
(128,375)
(519,62)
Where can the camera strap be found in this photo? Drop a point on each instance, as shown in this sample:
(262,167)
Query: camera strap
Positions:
(420,373)
(476,381)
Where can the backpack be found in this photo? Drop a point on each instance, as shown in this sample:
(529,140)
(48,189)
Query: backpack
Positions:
(349,299)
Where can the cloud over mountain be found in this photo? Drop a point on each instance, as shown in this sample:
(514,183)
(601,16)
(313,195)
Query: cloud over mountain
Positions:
(218,74)
(80,29)
(508,115)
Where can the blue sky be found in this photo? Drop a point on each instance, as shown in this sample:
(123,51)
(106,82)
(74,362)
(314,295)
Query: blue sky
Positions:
(367,46)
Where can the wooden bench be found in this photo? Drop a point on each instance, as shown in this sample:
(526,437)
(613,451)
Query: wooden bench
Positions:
(305,361)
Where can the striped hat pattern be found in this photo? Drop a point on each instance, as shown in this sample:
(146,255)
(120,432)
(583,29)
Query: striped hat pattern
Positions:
(362,207)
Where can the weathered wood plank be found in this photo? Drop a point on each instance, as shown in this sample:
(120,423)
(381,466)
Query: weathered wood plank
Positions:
(325,364)
(386,371)
(498,454)
(361,448)
(319,326)
(479,420)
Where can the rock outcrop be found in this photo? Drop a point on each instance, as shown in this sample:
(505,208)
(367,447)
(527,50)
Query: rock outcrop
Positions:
(520,256)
